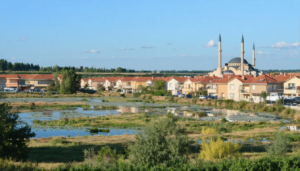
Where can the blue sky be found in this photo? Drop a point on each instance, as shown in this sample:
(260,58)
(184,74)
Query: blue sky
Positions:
(154,35)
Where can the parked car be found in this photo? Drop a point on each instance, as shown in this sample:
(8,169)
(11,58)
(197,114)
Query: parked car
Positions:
(31,90)
(202,97)
(37,90)
(188,96)
(289,101)
(297,100)
(181,95)
(209,97)
(214,97)
(43,90)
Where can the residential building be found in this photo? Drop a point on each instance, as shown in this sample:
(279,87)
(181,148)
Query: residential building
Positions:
(292,87)
(84,82)
(249,88)
(94,82)
(175,84)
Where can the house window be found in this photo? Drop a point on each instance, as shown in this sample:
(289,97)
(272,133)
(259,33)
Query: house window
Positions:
(21,82)
(232,95)
(189,86)
(253,87)
(291,86)
(223,95)
(231,86)
(170,84)
(42,82)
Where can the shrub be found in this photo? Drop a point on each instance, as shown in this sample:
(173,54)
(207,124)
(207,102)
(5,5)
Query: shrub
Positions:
(108,154)
(218,149)
(122,95)
(84,100)
(194,100)
(136,95)
(161,142)
(201,114)
(149,98)
(119,90)
(279,146)
(243,104)
(32,106)
(13,138)
(94,130)
(159,93)
(223,120)
(209,131)
(171,99)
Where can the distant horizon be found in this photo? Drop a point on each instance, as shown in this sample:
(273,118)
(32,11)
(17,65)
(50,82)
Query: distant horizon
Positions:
(149,35)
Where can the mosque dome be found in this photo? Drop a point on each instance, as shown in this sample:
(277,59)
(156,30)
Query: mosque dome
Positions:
(228,72)
(237,60)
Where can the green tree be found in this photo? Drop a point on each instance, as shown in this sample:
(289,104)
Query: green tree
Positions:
(264,95)
(159,85)
(279,147)
(161,142)
(70,82)
(57,84)
(13,137)
(86,86)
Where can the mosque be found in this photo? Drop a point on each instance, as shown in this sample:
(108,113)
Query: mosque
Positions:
(236,65)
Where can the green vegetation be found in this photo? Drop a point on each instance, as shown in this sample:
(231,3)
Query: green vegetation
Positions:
(52,106)
(69,84)
(13,139)
(161,142)
(279,146)
(218,149)
(96,130)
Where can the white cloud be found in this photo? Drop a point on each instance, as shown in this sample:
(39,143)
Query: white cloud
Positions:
(13,58)
(210,44)
(91,51)
(260,52)
(22,39)
(112,57)
(126,48)
(148,47)
(282,45)
(285,45)
(263,53)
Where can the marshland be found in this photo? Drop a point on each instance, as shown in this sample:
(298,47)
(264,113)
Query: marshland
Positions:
(104,132)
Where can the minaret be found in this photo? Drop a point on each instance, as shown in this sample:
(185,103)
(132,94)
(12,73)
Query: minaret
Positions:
(253,56)
(242,57)
(220,57)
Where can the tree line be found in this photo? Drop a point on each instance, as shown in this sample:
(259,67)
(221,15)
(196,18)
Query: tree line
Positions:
(5,65)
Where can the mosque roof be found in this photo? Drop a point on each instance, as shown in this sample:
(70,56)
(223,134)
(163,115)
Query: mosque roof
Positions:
(237,60)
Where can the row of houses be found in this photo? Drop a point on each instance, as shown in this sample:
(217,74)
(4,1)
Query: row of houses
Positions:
(26,81)
(229,86)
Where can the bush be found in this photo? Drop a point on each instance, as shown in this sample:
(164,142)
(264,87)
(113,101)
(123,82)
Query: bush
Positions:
(119,90)
(13,138)
(209,131)
(218,149)
(194,100)
(149,98)
(122,95)
(171,99)
(136,95)
(243,104)
(161,142)
(108,154)
(159,93)
(32,106)
(279,146)
(223,120)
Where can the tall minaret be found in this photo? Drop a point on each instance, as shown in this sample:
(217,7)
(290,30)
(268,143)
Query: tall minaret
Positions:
(253,56)
(242,57)
(220,57)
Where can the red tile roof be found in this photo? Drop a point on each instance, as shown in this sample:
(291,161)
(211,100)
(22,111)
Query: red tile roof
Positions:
(127,79)
(85,79)
(98,79)
(43,77)
(143,79)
